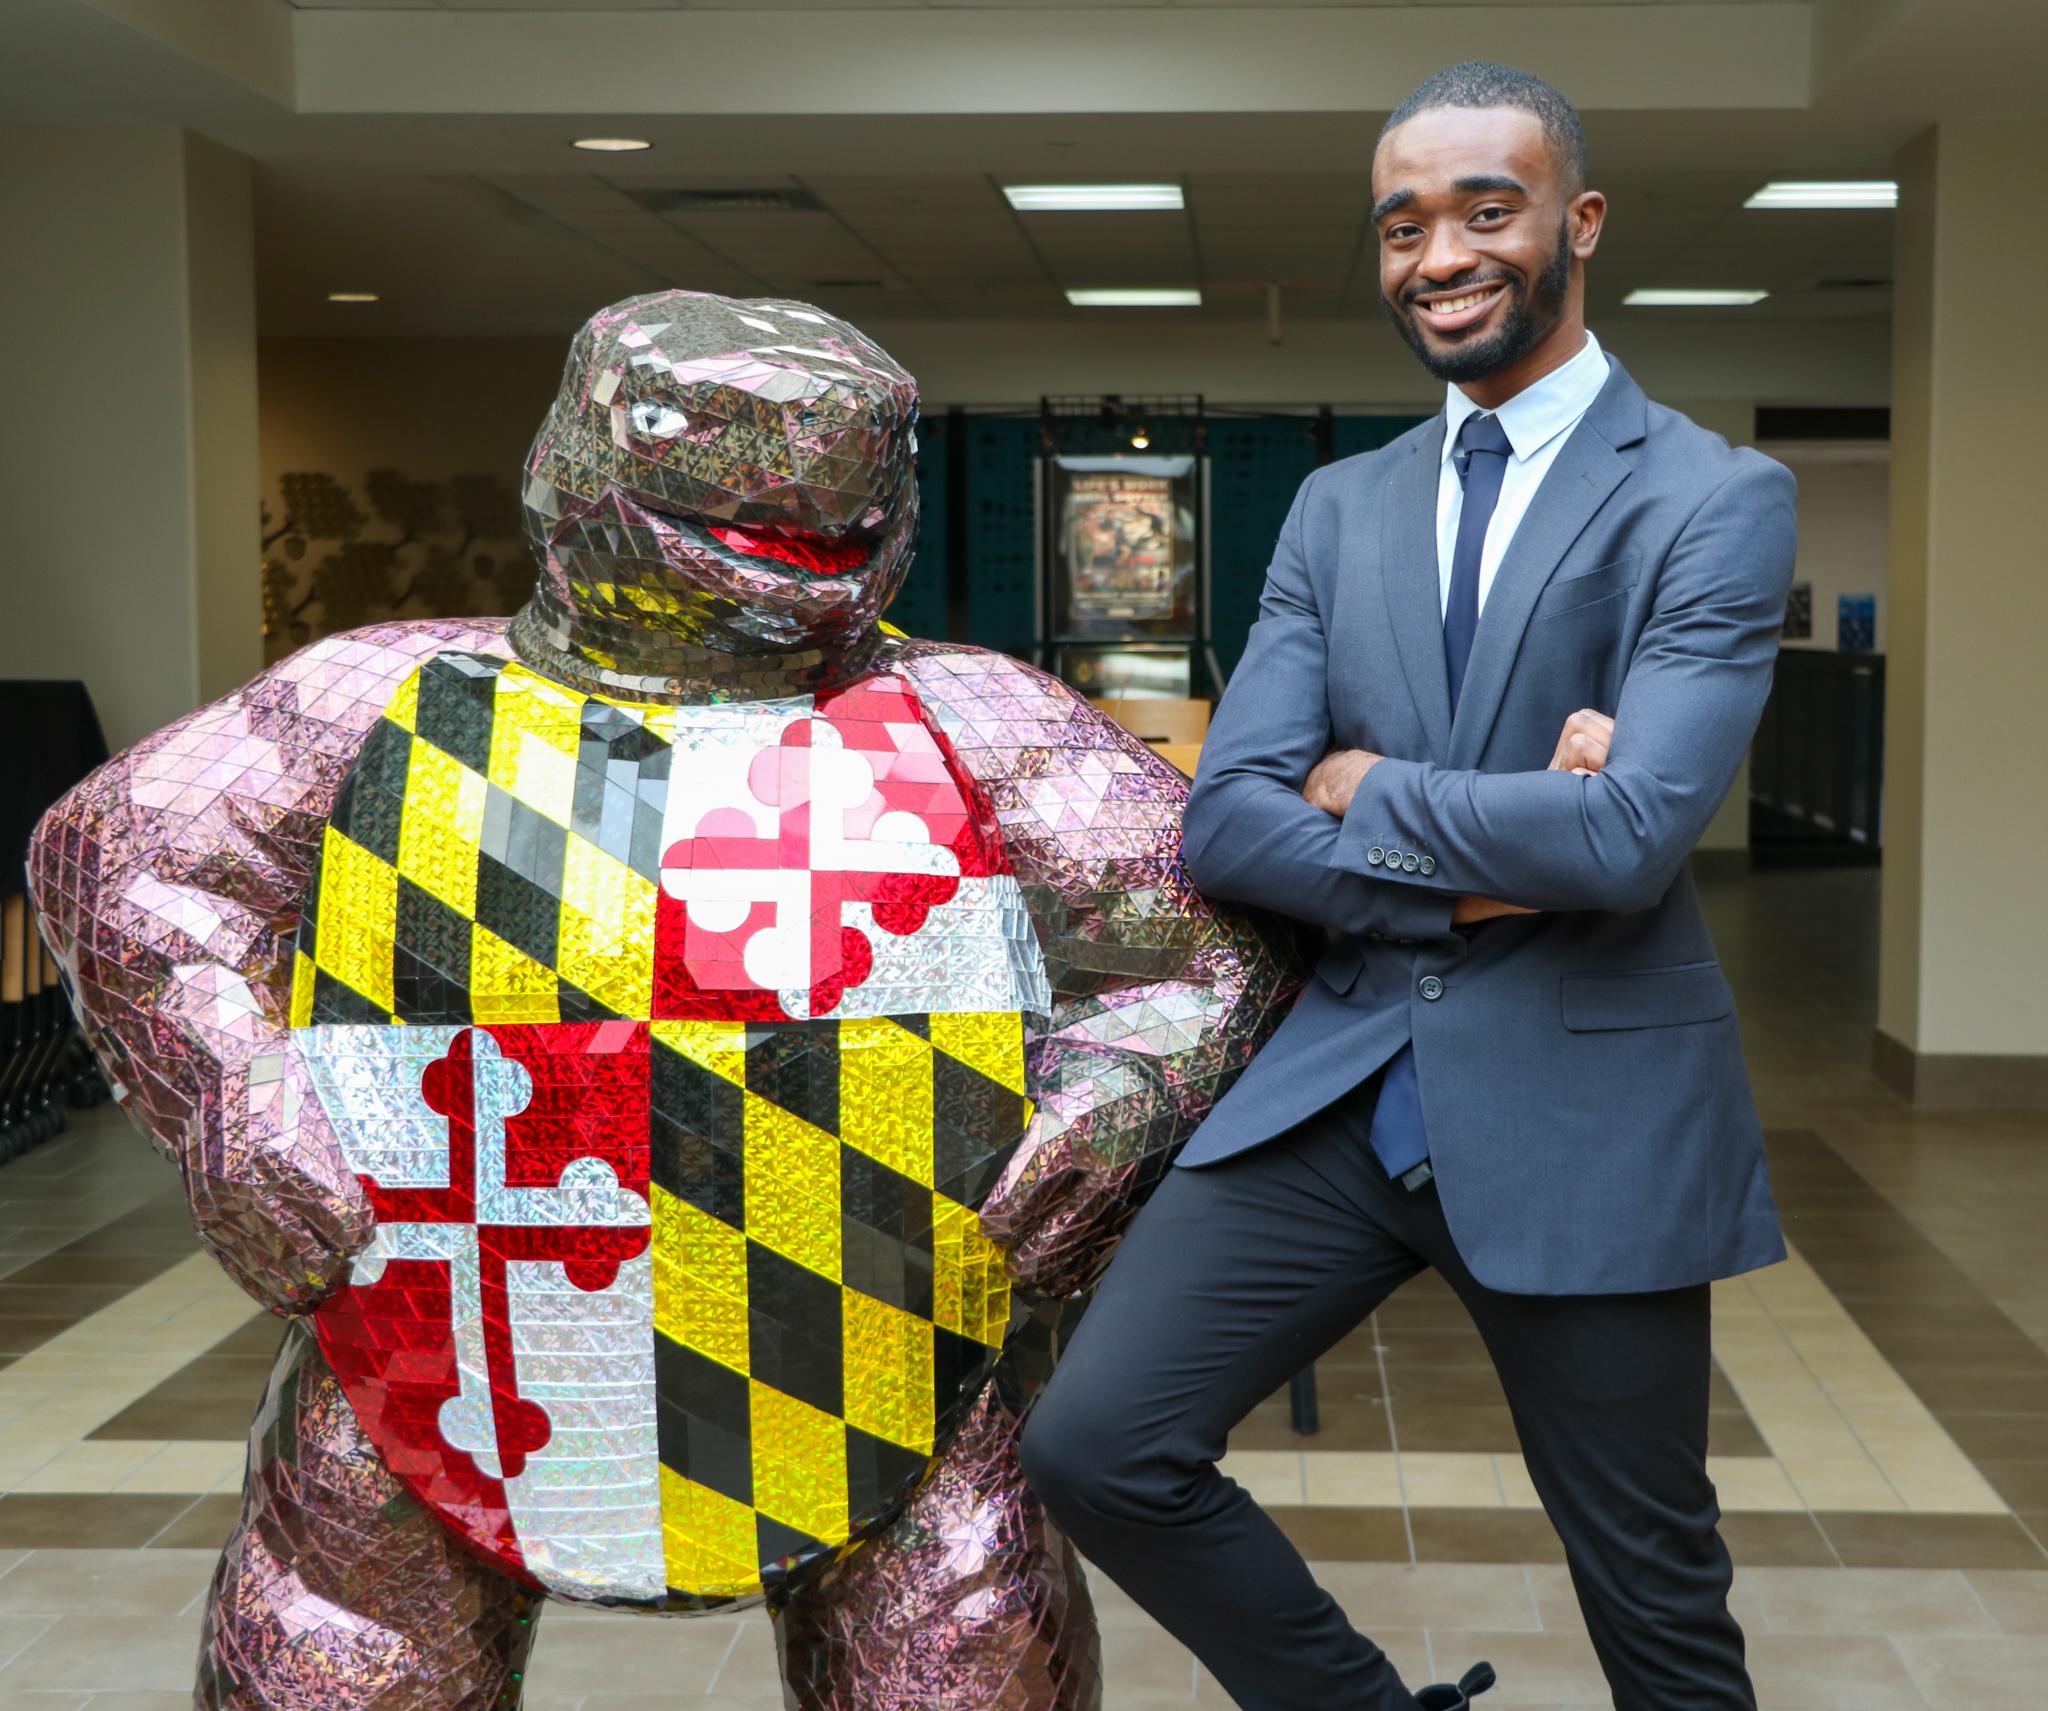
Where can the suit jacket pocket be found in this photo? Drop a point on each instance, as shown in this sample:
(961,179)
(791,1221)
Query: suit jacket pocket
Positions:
(1602,582)
(1645,998)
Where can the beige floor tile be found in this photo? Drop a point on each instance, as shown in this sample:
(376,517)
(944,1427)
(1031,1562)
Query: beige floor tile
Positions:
(63,1700)
(1871,1601)
(125,1585)
(1430,1595)
(1517,1489)
(679,1656)
(1352,1478)
(142,1702)
(1271,1476)
(1151,1661)
(1450,1479)
(85,1652)
(1753,1484)
(198,1466)
(1830,1672)
(1534,1669)
(2017,1598)
(1406,1648)
(1968,1675)
(90,1467)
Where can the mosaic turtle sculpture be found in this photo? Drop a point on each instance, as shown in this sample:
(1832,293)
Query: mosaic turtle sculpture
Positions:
(669,1054)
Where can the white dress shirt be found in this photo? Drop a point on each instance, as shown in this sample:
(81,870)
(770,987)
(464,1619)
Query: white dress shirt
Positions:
(1537,421)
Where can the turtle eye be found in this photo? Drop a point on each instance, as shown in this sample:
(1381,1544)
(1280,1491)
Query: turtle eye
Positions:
(657,419)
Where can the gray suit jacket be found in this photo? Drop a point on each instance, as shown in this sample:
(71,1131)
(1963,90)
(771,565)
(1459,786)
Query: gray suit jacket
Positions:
(1583,1088)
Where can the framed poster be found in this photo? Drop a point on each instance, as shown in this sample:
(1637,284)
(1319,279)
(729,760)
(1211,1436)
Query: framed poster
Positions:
(1799,612)
(1124,548)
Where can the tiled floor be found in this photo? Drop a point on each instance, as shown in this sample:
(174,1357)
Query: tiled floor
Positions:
(1880,1423)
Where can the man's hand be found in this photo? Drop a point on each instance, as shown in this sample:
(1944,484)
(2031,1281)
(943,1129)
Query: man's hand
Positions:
(1582,745)
(1581,748)
(1470,909)
(1333,780)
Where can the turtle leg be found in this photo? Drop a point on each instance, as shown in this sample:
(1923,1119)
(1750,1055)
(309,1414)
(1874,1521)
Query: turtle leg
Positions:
(971,1601)
(339,1592)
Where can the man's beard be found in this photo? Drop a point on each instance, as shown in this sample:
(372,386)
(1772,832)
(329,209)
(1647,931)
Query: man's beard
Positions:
(1530,318)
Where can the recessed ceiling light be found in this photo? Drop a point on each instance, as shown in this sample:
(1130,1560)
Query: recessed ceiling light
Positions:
(612,145)
(1827,193)
(1659,299)
(1091,198)
(1145,298)
(354,297)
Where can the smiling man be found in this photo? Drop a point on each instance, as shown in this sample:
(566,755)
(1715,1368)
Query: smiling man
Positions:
(1505,670)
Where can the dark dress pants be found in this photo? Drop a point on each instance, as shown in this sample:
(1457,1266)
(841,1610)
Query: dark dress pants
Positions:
(1238,1274)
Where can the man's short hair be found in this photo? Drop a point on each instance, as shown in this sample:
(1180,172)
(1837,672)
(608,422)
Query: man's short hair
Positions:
(1483,83)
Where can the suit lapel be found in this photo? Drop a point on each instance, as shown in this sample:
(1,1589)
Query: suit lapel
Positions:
(1408,578)
(1587,470)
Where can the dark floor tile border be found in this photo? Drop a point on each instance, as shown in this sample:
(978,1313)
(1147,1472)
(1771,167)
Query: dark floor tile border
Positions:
(104,1521)
(1958,1352)
(205,1526)
(122,1254)
(1932,1541)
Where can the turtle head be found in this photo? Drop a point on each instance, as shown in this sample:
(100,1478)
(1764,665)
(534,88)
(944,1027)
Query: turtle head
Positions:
(737,474)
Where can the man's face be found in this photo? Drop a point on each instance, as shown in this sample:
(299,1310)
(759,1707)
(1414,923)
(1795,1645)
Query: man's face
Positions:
(1477,237)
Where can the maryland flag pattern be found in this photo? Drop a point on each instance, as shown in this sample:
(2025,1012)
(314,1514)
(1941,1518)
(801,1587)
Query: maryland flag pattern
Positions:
(675,1047)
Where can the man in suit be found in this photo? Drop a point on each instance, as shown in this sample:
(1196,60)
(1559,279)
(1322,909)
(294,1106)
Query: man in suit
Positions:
(1505,670)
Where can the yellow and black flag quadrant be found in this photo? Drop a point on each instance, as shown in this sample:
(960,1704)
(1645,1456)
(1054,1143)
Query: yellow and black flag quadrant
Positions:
(825,1301)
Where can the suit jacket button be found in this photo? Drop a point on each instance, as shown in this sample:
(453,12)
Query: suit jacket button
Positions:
(1428,866)
(1374,856)
(1431,988)
(1410,862)
(1393,858)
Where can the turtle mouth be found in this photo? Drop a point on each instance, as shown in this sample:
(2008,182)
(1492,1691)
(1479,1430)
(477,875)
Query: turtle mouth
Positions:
(808,554)
(802,554)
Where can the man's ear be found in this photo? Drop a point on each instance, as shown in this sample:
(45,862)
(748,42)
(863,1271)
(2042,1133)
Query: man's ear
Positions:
(1587,218)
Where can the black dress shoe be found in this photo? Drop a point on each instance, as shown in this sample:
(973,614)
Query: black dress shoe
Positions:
(1471,1684)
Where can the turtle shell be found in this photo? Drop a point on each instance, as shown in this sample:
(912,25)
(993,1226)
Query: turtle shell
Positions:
(675,1048)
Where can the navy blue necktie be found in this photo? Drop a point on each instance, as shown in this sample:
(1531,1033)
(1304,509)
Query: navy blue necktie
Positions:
(1481,459)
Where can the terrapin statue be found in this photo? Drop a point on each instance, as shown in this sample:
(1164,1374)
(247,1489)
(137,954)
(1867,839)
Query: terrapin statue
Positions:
(669,1055)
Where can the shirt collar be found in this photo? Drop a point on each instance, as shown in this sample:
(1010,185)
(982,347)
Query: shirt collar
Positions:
(1537,414)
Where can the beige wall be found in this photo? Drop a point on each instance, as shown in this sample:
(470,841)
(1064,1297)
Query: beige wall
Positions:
(129,410)
(435,411)
(431,407)
(1965,923)
(1844,514)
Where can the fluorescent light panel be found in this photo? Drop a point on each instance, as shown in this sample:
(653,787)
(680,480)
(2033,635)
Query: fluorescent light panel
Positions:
(1092,198)
(1685,299)
(353,297)
(1827,193)
(612,145)
(1142,298)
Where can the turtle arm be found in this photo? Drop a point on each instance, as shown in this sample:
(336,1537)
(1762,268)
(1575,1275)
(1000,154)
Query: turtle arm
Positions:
(168,886)
(1160,996)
